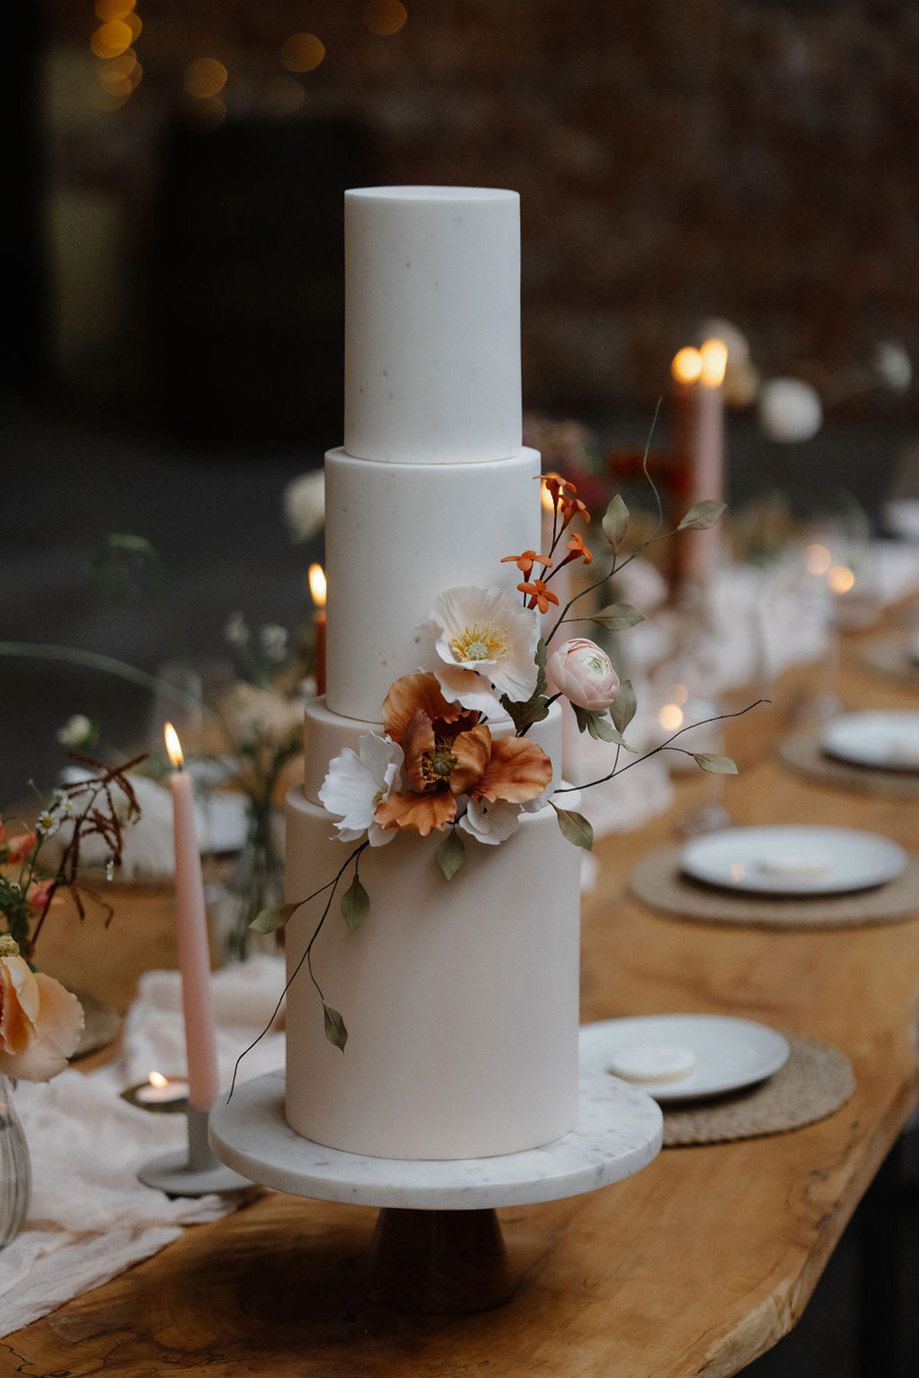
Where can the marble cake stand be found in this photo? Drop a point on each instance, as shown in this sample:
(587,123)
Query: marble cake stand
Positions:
(438,1247)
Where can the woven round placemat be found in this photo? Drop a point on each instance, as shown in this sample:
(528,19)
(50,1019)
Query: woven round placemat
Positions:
(658,881)
(892,656)
(804,754)
(816,1080)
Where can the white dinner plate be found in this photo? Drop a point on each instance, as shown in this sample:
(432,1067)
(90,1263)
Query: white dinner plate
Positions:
(793,860)
(888,739)
(729,1053)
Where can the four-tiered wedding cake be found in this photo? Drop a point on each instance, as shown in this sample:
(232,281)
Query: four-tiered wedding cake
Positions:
(460,996)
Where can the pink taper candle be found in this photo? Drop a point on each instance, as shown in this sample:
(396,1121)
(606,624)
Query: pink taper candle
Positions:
(194,958)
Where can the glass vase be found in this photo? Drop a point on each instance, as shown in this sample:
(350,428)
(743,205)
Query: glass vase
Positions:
(15,1168)
(256,882)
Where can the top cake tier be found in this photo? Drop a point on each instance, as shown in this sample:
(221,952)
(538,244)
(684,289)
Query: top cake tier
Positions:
(432,336)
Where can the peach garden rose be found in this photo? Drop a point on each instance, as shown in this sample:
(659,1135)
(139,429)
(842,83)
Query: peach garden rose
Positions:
(40,1021)
(583,672)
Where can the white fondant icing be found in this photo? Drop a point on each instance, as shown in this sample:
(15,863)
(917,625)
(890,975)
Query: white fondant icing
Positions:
(618,1132)
(460,997)
(396,537)
(432,338)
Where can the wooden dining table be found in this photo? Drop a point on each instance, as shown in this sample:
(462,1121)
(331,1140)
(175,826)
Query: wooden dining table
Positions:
(695,1265)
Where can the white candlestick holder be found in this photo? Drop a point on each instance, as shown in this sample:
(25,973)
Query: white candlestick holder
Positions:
(194,1170)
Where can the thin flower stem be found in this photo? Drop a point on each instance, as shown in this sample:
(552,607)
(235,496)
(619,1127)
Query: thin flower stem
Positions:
(333,884)
(664,746)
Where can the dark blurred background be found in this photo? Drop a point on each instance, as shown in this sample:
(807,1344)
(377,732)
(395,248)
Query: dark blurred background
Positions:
(173,245)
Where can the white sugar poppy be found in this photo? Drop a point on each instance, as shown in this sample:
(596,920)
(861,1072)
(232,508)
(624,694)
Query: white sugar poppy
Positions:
(357,782)
(489,822)
(489,635)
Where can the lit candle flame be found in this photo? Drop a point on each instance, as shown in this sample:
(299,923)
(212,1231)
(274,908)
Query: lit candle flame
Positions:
(317,585)
(687,365)
(817,559)
(714,362)
(737,872)
(840,579)
(671,717)
(173,746)
(157,1079)
(545,497)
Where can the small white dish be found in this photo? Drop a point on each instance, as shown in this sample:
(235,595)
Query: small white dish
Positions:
(888,739)
(729,1053)
(793,860)
(641,1063)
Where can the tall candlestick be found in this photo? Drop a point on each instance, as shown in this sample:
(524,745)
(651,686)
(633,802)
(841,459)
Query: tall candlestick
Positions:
(699,439)
(194,959)
(317,581)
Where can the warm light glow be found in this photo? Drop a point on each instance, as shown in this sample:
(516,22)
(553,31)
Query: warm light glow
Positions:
(714,362)
(817,559)
(302,52)
(678,693)
(111,39)
(671,717)
(134,23)
(840,579)
(737,872)
(317,585)
(121,66)
(113,9)
(173,746)
(285,95)
(115,84)
(545,497)
(687,365)
(157,1079)
(385,17)
(205,77)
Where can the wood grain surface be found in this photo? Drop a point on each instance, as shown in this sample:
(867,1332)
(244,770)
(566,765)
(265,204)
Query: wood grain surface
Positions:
(694,1266)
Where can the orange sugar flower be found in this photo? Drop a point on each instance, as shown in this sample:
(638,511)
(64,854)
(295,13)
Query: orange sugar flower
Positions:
(557,485)
(422,694)
(517,772)
(578,549)
(418,813)
(570,507)
(526,561)
(540,595)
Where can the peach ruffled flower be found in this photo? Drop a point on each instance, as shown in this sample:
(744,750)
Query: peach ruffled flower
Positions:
(583,672)
(447,754)
(40,1021)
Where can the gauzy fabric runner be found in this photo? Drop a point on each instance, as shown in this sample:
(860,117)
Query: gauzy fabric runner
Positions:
(90,1217)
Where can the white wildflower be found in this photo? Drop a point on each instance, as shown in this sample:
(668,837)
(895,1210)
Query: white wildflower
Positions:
(273,640)
(490,822)
(236,630)
(304,505)
(77,731)
(48,823)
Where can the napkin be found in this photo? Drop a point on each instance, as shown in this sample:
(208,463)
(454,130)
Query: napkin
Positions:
(90,1217)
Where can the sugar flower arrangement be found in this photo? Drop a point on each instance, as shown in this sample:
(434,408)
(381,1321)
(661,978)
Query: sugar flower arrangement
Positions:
(40,1021)
(453,757)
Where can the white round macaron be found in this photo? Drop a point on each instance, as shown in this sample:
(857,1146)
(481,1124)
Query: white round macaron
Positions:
(653,1062)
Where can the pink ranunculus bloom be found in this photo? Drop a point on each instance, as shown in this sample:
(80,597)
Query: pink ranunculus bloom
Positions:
(581,671)
(40,1021)
(38,894)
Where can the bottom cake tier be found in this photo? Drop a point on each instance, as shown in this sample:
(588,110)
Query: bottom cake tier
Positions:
(460,997)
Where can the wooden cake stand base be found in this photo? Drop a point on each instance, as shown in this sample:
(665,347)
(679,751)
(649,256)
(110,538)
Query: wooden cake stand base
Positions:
(437,1248)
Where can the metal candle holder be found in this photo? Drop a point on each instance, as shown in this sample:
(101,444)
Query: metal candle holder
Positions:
(193,1171)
